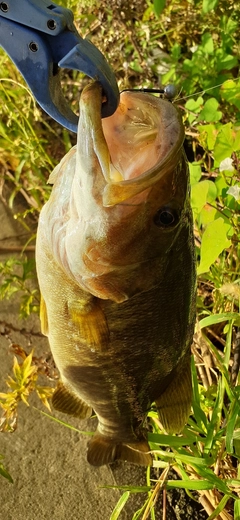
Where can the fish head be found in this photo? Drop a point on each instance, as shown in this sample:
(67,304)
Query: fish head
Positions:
(129,194)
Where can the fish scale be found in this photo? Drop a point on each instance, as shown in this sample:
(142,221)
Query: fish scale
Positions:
(116,269)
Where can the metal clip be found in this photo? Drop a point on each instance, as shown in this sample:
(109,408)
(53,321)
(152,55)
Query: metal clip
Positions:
(41,38)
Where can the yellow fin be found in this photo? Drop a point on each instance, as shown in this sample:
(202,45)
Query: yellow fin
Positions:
(91,322)
(66,401)
(103,450)
(174,405)
(43,317)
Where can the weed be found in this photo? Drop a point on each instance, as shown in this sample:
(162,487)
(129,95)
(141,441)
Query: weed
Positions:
(3,471)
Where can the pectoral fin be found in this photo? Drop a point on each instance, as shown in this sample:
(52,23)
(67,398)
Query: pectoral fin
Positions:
(174,405)
(91,322)
(43,317)
(66,401)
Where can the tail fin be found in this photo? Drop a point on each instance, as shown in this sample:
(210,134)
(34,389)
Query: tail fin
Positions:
(102,450)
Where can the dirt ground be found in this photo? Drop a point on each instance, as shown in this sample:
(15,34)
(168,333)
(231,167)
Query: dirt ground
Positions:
(52,479)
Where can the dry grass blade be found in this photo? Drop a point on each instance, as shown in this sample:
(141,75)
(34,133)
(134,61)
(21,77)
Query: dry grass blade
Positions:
(209,503)
(154,494)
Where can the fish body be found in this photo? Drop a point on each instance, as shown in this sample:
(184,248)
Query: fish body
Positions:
(116,269)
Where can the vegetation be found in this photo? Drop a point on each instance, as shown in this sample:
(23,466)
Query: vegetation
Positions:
(195,45)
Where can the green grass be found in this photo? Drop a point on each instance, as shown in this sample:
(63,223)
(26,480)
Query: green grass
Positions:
(196,46)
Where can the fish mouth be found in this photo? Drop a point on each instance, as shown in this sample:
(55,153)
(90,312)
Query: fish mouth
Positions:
(136,146)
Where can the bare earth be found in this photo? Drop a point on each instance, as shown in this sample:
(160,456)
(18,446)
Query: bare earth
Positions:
(52,479)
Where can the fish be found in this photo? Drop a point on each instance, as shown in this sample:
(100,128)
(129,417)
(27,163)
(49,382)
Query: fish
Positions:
(116,270)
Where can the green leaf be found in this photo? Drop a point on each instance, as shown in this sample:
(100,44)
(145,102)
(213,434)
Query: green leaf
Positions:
(237,509)
(201,193)
(189,484)
(212,191)
(159,6)
(207,136)
(146,15)
(230,91)
(214,241)
(221,185)
(210,112)
(218,318)
(120,505)
(207,215)
(182,456)
(189,459)
(4,472)
(194,104)
(231,422)
(224,145)
(195,172)
(217,482)
(64,423)
(176,51)
(207,43)
(236,435)
(171,440)
(234,481)
(225,61)
(208,5)
(236,144)
(214,423)
(132,489)
(228,345)
(219,508)
(26,368)
(236,444)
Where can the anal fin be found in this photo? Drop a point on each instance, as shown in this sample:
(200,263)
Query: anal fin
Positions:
(104,450)
(66,401)
(174,405)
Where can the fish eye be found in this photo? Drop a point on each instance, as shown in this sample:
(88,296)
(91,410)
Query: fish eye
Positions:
(165,217)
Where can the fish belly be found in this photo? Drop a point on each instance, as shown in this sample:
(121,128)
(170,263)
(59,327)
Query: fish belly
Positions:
(119,358)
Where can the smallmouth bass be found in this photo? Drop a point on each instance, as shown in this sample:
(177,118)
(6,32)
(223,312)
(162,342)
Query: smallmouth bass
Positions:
(116,269)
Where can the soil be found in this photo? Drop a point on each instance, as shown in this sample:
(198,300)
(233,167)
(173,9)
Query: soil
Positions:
(47,461)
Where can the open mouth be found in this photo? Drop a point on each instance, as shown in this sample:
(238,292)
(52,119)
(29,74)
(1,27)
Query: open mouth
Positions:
(133,138)
(144,137)
(136,146)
